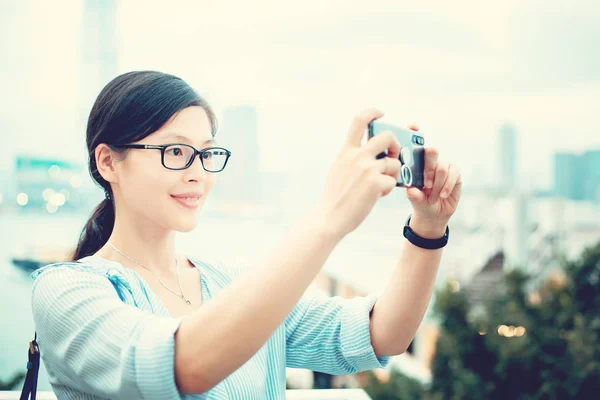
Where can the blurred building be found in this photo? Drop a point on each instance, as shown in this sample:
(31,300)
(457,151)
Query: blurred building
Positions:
(240,181)
(18,96)
(577,176)
(508,157)
(47,184)
(591,173)
(99,50)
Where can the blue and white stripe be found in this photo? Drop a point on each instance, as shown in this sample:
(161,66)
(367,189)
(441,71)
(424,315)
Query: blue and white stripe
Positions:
(104,334)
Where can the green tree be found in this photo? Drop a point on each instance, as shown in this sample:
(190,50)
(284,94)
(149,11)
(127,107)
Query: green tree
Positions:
(463,365)
(554,353)
(398,387)
(555,356)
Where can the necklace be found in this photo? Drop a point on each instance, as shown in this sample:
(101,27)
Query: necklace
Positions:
(189,303)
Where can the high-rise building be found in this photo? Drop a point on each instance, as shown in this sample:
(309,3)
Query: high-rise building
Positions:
(99,51)
(567,181)
(18,66)
(591,173)
(508,157)
(238,131)
(577,176)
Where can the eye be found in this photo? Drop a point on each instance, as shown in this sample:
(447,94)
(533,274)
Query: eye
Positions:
(207,155)
(174,151)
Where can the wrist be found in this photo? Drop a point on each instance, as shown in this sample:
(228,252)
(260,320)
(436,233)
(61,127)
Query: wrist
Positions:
(428,228)
(321,222)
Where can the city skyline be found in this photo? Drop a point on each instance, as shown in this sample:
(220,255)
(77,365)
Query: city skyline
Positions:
(469,74)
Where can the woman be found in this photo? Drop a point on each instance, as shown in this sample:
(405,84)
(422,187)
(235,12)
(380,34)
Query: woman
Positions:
(131,318)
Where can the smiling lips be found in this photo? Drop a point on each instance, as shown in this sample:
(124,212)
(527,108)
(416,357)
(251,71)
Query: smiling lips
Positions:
(188,200)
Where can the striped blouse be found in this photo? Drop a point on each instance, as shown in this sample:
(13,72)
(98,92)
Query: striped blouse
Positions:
(103,333)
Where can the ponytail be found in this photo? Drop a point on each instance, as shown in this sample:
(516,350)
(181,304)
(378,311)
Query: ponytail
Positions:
(97,230)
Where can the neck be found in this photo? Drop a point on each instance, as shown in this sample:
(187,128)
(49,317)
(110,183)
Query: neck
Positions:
(150,245)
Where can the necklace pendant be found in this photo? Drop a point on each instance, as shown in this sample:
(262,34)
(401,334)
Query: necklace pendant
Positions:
(189,303)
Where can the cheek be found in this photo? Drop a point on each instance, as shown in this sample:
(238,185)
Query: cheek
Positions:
(210,182)
(146,185)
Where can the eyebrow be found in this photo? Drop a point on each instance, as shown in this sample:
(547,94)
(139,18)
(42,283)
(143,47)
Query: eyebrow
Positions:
(177,136)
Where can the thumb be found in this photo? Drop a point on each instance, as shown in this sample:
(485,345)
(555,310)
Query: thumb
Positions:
(415,196)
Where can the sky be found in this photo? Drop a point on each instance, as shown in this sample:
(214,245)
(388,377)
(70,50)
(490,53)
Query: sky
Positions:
(458,69)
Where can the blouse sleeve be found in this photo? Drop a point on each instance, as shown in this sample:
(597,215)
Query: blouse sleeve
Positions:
(332,335)
(93,342)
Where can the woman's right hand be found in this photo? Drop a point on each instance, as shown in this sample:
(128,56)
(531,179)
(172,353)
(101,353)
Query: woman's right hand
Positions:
(357,179)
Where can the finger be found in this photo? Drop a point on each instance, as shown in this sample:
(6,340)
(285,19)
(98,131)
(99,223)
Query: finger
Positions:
(451,181)
(441,173)
(413,127)
(386,184)
(415,195)
(389,166)
(359,125)
(385,141)
(431,160)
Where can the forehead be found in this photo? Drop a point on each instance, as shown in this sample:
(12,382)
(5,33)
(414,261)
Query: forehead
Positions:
(190,125)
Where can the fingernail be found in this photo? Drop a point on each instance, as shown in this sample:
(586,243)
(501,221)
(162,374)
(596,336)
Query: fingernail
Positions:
(444,194)
(429,184)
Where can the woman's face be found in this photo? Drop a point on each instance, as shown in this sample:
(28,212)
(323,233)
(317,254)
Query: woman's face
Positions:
(153,192)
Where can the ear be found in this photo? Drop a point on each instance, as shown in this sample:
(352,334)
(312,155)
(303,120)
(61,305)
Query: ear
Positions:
(105,162)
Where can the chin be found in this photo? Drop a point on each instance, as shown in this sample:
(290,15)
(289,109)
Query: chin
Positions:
(184,220)
(185,226)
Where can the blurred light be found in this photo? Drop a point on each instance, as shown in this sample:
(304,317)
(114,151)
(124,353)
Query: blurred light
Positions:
(48,193)
(51,208)
(455,286)
(22,199)
(502,330)
(557,278)
(535,298)
(510,331)
(482,332)
(58,199)
(54,171)
(0,198)
(66,193)
(75,181)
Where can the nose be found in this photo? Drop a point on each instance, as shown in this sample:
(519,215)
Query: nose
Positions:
(195,172)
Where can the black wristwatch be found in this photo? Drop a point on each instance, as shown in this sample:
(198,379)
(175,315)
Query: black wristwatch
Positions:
(429,244)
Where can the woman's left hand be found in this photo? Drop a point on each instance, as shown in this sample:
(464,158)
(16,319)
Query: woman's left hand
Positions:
(439,199)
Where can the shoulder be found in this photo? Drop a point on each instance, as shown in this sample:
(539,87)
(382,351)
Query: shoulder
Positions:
(63,267)
(66,277)
(78,268)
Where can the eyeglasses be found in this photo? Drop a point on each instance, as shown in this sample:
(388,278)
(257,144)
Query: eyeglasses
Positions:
(181,156)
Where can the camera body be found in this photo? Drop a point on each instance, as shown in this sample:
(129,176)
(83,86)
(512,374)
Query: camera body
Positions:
(412,155)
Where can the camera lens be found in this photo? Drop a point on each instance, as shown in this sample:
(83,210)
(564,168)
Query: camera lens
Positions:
(406,174)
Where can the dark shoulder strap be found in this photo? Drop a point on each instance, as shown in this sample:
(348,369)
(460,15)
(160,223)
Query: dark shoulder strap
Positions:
(33,368)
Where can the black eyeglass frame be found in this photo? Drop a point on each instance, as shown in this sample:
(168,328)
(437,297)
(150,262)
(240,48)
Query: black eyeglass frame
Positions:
(163,147)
